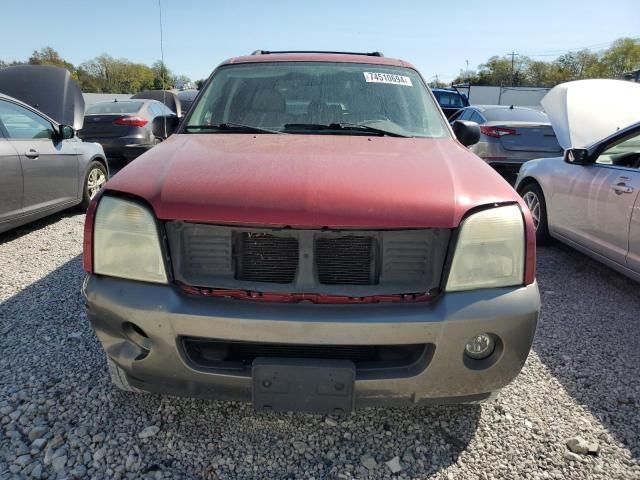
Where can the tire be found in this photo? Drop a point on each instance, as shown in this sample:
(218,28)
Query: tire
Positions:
(534,198)
(119,378)
(96,173)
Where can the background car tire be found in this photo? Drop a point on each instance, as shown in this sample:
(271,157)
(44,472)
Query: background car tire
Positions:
(119,379)
(86,193)
(532,195)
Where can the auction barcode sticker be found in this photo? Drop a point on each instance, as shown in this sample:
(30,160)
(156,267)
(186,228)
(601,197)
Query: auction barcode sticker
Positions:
(372,77)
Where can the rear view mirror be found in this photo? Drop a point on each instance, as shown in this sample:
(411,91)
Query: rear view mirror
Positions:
(164,125)
(577,156)
(467,133)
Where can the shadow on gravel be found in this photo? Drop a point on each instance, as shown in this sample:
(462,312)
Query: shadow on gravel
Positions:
(588,337)
(37,225)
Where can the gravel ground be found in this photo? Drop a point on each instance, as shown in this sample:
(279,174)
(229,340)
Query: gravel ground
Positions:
(60,417)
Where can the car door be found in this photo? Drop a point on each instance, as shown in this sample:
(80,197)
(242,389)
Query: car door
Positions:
(49,165)
(10,179)
(596,208)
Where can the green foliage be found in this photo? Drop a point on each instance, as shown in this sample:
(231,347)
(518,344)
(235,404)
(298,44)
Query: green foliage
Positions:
(623,56)
(105,74)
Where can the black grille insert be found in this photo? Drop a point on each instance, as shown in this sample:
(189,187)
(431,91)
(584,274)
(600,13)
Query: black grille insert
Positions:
(220,354)
(346,260)
(262,257)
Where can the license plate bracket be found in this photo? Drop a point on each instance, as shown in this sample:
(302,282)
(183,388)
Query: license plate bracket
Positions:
(303,385)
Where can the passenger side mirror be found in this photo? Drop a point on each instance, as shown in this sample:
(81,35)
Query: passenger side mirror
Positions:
(164,125)
(467,133)
(577,156)
(65,132)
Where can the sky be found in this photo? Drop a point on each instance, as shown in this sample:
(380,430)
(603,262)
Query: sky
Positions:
(437,37)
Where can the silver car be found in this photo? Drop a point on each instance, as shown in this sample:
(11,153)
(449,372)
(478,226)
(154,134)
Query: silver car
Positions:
(44,167)
(590,198)
(510,136)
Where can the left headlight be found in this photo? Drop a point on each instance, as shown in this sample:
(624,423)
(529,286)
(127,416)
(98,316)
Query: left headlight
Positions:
(126,243)
(490,250)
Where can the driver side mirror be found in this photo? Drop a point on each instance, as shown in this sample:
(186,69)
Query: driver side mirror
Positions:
(65,132)
(164,125)
(467,133)
(577,156)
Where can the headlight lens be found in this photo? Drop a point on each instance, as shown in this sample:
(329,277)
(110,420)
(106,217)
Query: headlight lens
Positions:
(490,250)
(126,242)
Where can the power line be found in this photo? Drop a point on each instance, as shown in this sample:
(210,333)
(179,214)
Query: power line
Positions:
(545,53)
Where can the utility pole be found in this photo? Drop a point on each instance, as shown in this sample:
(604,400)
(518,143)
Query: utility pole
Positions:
(513,56)
(468,74)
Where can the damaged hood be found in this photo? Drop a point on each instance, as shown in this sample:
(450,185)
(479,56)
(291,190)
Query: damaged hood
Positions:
(586,111)
(312,181)
(46,88)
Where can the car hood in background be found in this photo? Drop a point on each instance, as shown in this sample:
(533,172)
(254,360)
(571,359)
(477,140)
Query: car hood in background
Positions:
(46,88)
(586,111)
(312,181)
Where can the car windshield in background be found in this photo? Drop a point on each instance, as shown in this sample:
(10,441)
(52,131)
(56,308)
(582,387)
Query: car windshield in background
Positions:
(114,107)
(515,115)
(317,97)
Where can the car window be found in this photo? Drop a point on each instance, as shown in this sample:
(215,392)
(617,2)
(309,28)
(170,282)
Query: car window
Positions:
(625,153)
(476,117)
(446,99)
(274,95)
(515,115)
(114,107)
(22,124)
(466,114)
(155,109)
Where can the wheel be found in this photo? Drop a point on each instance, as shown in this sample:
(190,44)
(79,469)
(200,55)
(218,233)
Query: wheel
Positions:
(119,378)
(534,198)
(94,179)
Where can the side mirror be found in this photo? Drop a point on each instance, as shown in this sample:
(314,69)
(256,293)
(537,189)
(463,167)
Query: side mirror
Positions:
(467,133)
(577,156)
(65,132)
(164,125)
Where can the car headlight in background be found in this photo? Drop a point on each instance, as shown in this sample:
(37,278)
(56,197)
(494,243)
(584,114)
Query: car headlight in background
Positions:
(490,250)
(126,243)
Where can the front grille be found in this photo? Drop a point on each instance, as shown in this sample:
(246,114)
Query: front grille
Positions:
(262,257)
(220,354)
(287,260)
(348,260)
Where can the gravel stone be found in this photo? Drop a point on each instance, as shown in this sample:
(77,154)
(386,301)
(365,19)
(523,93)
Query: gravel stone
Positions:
(149,432)
(37,432)
(394,465)
(368,462)
(582,446)
(580,380)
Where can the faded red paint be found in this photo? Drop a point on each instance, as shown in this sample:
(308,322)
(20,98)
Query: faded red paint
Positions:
(312,181)
(238,294)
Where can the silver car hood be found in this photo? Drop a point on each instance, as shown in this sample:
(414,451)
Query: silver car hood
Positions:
(586,111)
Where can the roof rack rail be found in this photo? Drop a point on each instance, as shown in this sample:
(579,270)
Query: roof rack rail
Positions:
(269,52)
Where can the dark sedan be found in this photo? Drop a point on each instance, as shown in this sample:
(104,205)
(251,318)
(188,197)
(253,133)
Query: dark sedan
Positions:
(123,126)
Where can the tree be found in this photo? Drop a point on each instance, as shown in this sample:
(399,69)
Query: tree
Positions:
(623,56)
(49,56)
(163,78)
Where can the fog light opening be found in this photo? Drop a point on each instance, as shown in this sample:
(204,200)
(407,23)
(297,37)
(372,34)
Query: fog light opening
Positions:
(480,346)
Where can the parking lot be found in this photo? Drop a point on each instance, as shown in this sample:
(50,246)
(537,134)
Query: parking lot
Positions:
(60,416)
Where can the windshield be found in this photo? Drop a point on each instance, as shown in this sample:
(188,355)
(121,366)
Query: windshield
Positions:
(114,107)
(295,97)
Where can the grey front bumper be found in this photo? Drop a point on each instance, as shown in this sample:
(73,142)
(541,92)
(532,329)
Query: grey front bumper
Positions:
(166,314)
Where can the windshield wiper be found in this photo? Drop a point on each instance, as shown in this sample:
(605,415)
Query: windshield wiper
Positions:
(232,126)
(343,127)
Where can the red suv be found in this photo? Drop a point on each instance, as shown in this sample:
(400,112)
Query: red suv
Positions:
(313,237)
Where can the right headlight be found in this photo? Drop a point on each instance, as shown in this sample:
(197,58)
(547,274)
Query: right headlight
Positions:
(126,243)
(490,251)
